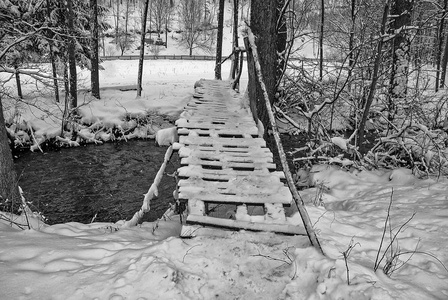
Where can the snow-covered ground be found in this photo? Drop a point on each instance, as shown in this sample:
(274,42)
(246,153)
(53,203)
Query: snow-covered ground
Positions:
(151,261)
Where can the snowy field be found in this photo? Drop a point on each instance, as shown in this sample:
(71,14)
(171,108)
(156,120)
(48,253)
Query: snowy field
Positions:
(349,210)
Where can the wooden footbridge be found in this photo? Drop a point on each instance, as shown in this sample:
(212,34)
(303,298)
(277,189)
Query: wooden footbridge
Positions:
(224,161)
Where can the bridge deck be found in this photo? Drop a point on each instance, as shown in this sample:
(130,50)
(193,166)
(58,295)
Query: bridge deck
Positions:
(224,161)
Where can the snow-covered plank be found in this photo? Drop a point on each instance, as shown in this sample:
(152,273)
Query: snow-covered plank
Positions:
(223,131)
(232,142)
(204,132)
(202,156)
(244,196)
(199,171)
(229,122)
(225,163)
(261,184)
(238,224)
(183,123)
(233,154)
(249,199)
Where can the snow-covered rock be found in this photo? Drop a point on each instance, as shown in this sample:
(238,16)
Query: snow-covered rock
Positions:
(167,136)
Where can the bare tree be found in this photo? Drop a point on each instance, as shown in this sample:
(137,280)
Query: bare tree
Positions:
(194,33)
(8,181)
(321,39)
(263,23)
(71,56)
(52,56)
(142,49)
(401,11)
(219,40)
(160,14)
(374,81)
(94,77)
(235,58)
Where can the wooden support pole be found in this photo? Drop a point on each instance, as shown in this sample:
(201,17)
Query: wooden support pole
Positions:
(295,193)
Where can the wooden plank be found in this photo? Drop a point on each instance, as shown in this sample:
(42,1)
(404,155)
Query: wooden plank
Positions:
(210,126)
(200,157)
(222,142)
(255,198)
(223,131)
(253,154)
(216,176)
(263,185)
(254,226)
(184,123)
(198,171)
(227,163)
(203,132)
(228,122)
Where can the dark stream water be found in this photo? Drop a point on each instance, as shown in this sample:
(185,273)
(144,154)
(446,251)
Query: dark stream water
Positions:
(75,184)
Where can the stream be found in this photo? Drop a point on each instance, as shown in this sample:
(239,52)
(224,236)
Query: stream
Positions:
(104,183)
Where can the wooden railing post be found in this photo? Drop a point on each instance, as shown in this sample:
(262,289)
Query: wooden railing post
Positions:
(254,69)
(251,86)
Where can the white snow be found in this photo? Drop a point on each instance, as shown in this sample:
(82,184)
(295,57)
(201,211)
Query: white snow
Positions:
(340,142)
(151,261)
(167,136)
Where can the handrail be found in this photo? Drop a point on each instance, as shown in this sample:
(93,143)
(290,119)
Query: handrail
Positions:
(250,40)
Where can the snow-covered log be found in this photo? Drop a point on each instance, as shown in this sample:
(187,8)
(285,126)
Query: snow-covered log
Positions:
(297,198)
(153,191)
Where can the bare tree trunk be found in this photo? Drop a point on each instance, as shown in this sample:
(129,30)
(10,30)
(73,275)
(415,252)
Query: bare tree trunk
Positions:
(219,40)
(376,67)
(8,178)
(321,39)
(71,57)
(234,69)
(67,96)
(444,59)
(401,11)
(440,37)
(142,49)
(94,72)
(166,31)
(126,26)
(263,23)
(54,73)
(52,60)
(351,41)
(282,36)
(18,84)
(118,19)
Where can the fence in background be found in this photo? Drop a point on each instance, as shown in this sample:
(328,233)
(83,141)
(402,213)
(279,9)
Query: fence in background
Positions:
(180,57)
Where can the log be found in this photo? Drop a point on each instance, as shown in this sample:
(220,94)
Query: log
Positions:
(153,191)
(290,181)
